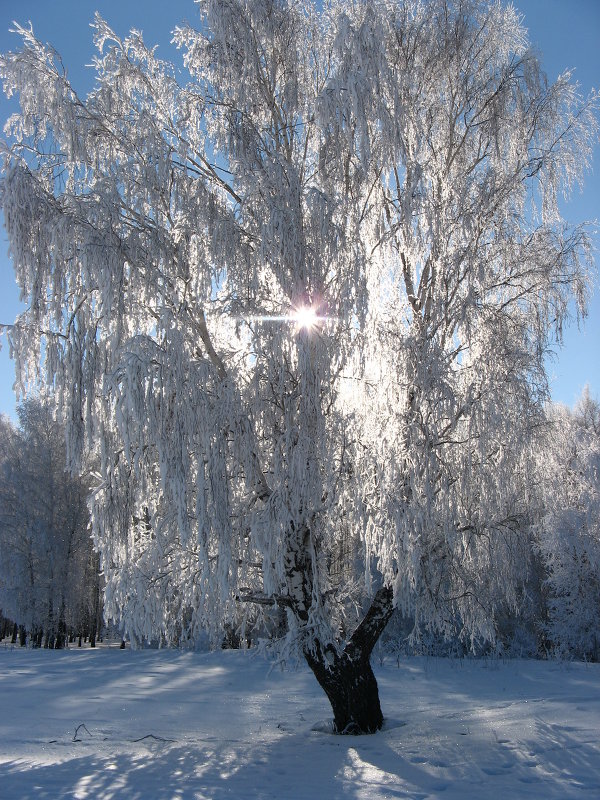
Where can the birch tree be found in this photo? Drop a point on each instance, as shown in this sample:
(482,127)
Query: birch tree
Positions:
(45,543)
(569,537)
(298,302)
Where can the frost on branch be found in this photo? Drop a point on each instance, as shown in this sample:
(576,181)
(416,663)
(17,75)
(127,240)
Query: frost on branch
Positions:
(394,166)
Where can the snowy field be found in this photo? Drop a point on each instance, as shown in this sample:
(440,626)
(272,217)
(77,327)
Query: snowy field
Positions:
(174,725)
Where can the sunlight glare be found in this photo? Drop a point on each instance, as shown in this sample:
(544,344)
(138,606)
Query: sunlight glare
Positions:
(305,317)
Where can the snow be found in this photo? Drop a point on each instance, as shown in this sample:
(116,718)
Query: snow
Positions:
(173,725)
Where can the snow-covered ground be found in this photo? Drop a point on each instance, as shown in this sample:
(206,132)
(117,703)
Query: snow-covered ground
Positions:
(174,725)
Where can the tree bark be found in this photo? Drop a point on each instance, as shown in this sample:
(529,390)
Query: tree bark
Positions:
(352,690)
(61,635)
(347,677)
(97,613)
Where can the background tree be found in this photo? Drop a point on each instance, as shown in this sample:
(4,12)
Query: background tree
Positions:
(300,304)
(569,538)
(47,565)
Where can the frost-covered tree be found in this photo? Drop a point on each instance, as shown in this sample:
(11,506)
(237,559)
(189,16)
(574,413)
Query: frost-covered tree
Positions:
(298,302)
(47,563)
(569,537)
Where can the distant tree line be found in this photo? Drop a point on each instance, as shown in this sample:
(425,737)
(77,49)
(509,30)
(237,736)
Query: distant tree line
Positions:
(50,585)
(568,543)
(558,608)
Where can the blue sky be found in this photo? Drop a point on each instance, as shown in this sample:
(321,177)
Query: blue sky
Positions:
(565,32)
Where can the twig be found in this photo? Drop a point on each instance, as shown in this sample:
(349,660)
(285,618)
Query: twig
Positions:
(152,736)
(81,725)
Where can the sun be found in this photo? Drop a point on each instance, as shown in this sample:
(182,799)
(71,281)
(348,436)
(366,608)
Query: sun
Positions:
(305,317)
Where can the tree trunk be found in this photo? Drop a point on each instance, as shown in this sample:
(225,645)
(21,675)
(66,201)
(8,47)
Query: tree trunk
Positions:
(50,635)
(352,690)
(347,677)
(96,624)
(61,636)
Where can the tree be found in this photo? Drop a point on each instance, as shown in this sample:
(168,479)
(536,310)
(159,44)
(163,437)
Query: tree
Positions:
(45,543)
(299,306)
(569,538)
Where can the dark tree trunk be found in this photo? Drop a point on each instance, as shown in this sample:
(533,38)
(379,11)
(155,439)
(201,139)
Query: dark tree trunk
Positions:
(352,690)
(347,677)
(96,624)
(61,636)
(50,634)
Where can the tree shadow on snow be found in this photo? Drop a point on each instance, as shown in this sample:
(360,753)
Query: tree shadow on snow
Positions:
(297,766)
(416,761)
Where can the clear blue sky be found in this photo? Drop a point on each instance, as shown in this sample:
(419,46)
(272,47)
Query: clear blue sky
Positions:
(565,32)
